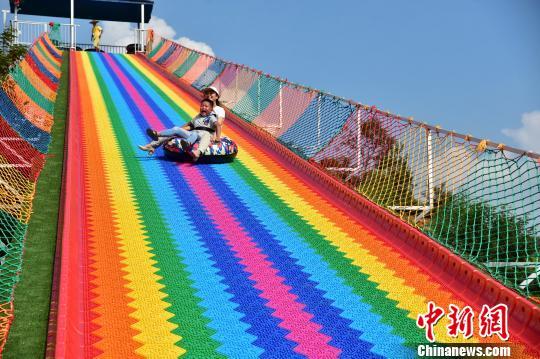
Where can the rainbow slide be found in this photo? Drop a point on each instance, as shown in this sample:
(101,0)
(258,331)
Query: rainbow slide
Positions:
(240,260)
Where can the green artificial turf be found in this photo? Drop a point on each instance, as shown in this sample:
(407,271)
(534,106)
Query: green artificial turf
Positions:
(28,335)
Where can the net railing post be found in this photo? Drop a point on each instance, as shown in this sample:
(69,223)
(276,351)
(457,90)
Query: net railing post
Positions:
(280,105)
(318,120)
(431,189)
(236,87)
(356,169)
(358,137)
(259,95)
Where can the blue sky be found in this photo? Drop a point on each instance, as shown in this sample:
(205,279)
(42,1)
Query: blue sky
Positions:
(472,66)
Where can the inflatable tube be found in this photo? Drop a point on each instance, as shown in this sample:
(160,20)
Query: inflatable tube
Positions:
(224,151)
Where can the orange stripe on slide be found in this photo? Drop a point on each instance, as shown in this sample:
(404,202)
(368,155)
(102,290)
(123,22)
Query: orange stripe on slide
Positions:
(113,334)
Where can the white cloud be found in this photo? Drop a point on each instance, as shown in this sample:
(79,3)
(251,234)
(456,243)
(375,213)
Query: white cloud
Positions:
(195,45)
(161,27)
(528,135)
(121,34)
(117,33)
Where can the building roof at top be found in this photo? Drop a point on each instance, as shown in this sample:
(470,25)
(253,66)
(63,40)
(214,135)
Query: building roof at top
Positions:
(111,10)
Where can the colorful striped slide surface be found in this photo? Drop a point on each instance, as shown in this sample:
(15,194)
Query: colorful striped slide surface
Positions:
(239,260)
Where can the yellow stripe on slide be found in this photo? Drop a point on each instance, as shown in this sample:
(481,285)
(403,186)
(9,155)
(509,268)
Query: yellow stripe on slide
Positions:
(150,311)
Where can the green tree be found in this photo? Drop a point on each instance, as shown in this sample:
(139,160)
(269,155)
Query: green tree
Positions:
(391,183)
(11,53)
(480,231)
(493,237)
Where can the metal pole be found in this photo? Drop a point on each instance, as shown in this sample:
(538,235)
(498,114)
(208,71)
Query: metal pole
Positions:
(16,21)
(430,172)
(431,189)
(141,32)
(259,95)
(5,12)
(72,24)
(358,134)
(236,87)
(280,105)
(318,121)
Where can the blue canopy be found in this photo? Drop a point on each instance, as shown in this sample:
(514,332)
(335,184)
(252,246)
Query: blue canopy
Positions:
(111,10)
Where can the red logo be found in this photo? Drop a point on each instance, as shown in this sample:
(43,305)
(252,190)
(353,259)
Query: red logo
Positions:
(429,320)
(491,321)
(494,321)
(461,321)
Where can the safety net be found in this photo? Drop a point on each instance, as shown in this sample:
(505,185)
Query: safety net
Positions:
(478,198)
(27,99)
(244,259)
